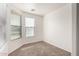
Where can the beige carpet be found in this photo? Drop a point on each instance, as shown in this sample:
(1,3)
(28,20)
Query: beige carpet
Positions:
(39,49)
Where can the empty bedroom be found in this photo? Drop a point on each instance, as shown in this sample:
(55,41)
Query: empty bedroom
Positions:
(38,29)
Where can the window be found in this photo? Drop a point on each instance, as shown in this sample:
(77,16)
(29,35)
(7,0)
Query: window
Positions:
(15,26)
(30,25)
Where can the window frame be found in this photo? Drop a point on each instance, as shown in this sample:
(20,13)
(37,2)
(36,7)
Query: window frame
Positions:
(30,27)
(16,13)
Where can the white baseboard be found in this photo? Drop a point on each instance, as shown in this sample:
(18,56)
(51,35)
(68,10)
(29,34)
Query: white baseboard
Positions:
(52,43)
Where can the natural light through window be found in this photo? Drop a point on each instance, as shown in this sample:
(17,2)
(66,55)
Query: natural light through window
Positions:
(30,25)
(15,26)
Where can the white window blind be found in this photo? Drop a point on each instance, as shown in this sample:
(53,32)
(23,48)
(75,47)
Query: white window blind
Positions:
(30,25)
(15,26)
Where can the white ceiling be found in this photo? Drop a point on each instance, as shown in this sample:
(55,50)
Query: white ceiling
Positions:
(40,8)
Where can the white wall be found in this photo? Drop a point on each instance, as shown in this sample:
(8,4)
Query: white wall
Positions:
(74,29)
(58,28)
(2,24)
(14,44)
(3,40)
